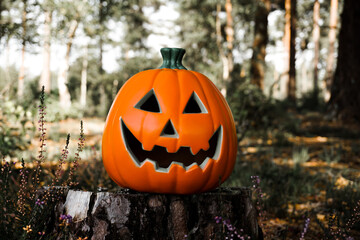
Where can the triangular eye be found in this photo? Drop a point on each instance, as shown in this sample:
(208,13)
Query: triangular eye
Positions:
(149,103)
(194,105)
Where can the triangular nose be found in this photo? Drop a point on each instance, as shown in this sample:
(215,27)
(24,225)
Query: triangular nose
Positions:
(169,130)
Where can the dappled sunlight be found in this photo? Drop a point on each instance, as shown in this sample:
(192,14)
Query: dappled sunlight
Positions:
(308,140)
(316,165)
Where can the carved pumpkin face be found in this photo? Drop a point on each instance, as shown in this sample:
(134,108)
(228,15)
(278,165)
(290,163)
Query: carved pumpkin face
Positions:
(169,131)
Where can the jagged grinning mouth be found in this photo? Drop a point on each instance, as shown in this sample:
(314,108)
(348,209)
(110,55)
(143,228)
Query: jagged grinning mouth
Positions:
(163,160)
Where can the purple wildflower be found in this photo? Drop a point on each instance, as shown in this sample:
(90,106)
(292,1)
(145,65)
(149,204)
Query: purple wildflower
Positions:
(231,231)
(306,227)
(39,202)
(67,218)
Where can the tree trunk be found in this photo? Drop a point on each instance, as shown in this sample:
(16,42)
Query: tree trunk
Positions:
(133,215)
(64,94)
(2,30)
(101,40)
(331,49)
(229,31)
(115,88)
(5,90)
(316,38)
(282,88)
(45,79)
(257,69)
(226,57)
(101,53)
(20,90)
(84,78)
(345,97)
(290,6)
(7,61)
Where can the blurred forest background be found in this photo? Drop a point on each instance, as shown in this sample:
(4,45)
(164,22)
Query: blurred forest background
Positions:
(289,69)
(83,51)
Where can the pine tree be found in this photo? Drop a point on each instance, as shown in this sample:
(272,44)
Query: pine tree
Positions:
(330,60)
(316,40)
(345,97)
(257,69)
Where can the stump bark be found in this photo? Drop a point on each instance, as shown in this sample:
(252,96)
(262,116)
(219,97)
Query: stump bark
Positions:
(127,214)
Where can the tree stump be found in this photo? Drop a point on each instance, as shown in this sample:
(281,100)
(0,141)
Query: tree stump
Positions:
(127,214)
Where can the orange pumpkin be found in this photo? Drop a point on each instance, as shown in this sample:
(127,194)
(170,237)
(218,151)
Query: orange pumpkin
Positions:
(169,130)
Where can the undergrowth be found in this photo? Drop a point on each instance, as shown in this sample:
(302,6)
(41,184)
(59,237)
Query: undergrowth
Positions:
(292,193)
(31,187)
(26,203)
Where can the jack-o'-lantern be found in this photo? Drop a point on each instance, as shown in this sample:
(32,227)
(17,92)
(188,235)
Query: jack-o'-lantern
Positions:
(169,130)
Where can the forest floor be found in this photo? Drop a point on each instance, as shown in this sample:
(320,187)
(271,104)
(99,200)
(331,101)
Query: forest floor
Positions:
(323,149)
(326,150)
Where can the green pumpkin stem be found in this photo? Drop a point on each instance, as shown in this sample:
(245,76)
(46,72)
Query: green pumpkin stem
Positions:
(172,58)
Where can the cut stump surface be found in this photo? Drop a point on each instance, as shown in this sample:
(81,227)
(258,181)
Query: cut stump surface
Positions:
(128,214)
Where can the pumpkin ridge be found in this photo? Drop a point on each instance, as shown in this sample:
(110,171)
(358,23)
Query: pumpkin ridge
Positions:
(217,98)
(227,171)
(209,169)
(117,167)
(178,142)
(108,136)
(179,109)
(227,110)
(152,84)
(105,143)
